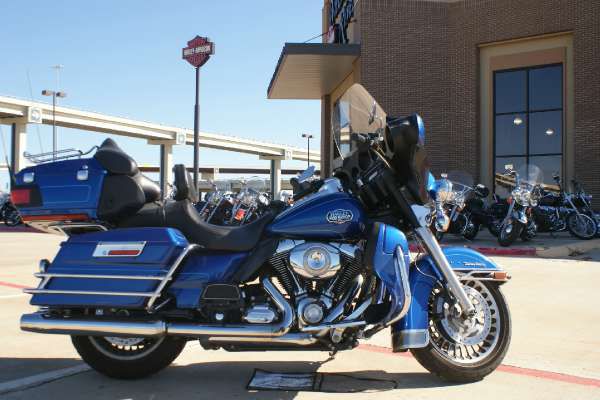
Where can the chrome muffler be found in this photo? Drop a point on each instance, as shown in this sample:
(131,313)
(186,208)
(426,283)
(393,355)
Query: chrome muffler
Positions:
(41,323)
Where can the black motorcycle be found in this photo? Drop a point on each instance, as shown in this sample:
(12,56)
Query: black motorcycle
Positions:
(557,212)
(459,207)
(9,213)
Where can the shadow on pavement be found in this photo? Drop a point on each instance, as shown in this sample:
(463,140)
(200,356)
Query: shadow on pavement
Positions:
(221,379)
(18,368)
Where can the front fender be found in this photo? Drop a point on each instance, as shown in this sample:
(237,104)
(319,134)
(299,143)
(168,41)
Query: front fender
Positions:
(412,331)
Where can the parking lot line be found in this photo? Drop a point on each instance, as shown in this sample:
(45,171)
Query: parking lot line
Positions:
(510,369)
(13,285)
(40,379)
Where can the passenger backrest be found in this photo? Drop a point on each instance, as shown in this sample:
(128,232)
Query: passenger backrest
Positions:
(125,189)
(184,185)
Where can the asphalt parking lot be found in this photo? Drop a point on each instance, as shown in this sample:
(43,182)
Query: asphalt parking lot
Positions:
(554,354)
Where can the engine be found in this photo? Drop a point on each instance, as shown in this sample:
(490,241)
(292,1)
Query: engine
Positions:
(315,275)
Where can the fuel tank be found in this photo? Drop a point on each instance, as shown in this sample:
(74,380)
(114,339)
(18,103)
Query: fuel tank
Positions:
(324,216)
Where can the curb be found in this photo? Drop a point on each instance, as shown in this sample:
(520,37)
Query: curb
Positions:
(562,251)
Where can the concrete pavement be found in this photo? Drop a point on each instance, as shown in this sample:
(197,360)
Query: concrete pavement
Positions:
(553,355)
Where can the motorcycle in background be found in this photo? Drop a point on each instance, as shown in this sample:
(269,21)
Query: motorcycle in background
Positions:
(581,203)
(510,219)
(562,211)
(8,212)
(458,206)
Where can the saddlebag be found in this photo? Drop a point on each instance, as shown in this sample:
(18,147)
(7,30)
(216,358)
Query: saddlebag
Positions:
(123,268)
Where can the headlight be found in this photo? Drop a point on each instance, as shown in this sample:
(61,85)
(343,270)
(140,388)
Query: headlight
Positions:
(443,190)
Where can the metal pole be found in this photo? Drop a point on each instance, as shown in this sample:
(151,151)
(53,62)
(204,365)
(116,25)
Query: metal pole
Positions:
(196,127)
(54,139)
(308,151)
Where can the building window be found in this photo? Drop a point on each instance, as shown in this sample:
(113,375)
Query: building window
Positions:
(528,119)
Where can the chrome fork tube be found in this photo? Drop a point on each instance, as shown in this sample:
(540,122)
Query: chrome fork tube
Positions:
(452,282)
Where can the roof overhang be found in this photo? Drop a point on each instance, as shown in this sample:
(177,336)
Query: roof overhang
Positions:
(311,70)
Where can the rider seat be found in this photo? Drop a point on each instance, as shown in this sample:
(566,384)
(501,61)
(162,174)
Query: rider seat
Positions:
(182,215)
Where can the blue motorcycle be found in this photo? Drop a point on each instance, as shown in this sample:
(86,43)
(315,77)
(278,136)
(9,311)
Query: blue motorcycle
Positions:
(138,278)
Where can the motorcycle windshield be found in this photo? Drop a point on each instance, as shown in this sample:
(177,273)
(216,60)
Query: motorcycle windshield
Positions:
(463,178)
(530,175)
(355,112)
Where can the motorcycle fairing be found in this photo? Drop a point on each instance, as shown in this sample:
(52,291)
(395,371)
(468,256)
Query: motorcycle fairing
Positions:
(412,331)
(387,249)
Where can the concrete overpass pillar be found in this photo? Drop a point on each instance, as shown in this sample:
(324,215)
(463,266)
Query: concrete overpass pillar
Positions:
(275,179)
(166,168)
(19,145)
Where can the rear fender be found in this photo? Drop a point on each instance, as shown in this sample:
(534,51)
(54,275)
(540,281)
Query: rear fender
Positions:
(412,331)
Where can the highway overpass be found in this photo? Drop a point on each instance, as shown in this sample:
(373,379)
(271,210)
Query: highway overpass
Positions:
(19,113)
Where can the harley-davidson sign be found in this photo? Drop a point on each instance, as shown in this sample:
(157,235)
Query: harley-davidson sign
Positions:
(198,51)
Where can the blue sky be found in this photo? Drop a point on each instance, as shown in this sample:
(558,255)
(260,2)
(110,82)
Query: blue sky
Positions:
(124,58)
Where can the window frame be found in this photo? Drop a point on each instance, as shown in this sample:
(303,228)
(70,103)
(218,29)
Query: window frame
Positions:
(526,113)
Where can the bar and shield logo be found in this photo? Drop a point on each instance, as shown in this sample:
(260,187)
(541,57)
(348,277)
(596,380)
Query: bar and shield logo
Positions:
(339,216)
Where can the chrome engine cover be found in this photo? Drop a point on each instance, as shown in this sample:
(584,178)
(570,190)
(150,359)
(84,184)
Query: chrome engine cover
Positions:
(260,314)
(315,260)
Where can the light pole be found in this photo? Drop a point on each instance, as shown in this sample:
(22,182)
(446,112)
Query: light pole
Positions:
(308,136)
(54,95)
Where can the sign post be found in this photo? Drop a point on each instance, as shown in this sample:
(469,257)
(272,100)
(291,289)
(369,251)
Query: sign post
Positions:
(197,53)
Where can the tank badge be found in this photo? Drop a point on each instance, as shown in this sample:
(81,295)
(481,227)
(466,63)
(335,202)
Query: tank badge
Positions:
(339,216)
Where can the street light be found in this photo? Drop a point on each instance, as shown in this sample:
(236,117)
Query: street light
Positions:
(54,95)
(308,136)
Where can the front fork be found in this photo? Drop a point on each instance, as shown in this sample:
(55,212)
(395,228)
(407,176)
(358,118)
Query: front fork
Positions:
(453,284)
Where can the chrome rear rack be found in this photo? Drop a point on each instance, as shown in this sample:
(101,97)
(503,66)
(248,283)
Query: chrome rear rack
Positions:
(58,155)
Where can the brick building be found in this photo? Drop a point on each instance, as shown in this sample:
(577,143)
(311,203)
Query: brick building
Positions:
(496,81)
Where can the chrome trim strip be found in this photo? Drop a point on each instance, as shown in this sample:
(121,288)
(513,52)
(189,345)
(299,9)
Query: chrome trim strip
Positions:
(103,249)
(169,275)
(300,339)
(402,269)
(131,277)
(410,339)
(87,292)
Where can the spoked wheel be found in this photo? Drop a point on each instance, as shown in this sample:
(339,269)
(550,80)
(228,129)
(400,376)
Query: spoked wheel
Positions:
(509,232)
(467,350)
(128,358)
(581,226)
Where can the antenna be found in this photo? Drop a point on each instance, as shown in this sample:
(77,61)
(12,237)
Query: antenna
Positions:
(57,67)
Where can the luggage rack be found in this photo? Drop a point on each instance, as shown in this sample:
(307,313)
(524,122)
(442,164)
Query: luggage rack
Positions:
(152,295)
(58,155)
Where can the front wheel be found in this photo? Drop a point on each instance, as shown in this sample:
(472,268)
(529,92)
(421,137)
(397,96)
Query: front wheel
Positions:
(462,350)
(128,358)
(581,226)
(12,217)
(509,232)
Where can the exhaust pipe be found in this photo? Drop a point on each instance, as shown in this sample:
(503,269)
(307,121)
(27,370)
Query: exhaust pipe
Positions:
(38,322)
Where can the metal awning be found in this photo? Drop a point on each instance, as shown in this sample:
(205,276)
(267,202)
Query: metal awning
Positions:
(311,70)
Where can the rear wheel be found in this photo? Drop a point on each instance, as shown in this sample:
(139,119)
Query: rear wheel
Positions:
(581,226)
(128,358)
(467,350)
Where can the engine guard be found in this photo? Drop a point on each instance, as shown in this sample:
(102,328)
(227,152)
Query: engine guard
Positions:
(412,331)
